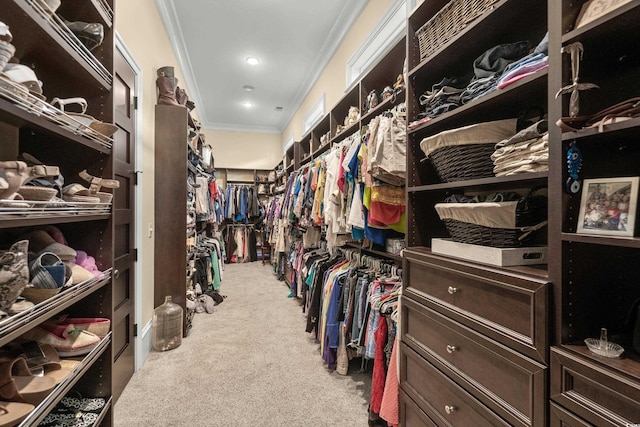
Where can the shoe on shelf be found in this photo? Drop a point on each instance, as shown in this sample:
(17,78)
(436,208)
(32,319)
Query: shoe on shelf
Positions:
(67,340)
(42,359)
(96,325)
(19,385)
(12,413)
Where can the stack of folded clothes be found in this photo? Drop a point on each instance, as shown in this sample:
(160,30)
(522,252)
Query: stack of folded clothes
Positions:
(489,66)
(443,96)
(536,61)
(526,151)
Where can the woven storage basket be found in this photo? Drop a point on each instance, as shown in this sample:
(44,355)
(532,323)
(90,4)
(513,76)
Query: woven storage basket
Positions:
(448,22)
(465,153)
(460,162)
(528,215)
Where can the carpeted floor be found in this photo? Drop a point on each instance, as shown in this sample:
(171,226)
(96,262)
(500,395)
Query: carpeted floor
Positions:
(250,363)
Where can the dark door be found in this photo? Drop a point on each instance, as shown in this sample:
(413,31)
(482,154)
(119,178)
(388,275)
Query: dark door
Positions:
(124,219)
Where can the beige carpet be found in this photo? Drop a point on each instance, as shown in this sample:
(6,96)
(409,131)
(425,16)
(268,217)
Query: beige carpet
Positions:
(248,364)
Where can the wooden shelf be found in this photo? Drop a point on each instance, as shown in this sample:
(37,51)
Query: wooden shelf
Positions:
(382,254)
(528,271)
(385,105)
(466,44)
(630,126)
(624,18)
(626,242)
(34,219)
(526,179)
(37,38)
(501,103)
(14,326)
(12,115)
(627,365)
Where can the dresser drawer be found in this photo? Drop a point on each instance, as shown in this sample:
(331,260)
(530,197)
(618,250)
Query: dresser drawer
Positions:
(560,417)
(440,398)
(508,307)
(594,393)
(509,384)
(411,415)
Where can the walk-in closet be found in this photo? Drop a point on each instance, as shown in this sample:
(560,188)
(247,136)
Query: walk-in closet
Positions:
(381,213)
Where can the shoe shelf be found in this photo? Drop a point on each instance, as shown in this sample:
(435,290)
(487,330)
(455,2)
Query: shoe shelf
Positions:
(41,411)
(385,105)
(44,37)
(18,117)
(626,242)
(14,326)
(32,218)
(87,11)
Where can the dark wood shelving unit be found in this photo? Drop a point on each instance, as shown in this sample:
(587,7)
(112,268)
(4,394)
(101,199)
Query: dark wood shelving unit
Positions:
(456,309)
(586,388)
(66,70)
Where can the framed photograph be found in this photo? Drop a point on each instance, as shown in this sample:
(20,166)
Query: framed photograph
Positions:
(608,206)
(594,9)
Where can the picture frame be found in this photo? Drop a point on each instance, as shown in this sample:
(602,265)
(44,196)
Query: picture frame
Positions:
(608,206)
(594,9)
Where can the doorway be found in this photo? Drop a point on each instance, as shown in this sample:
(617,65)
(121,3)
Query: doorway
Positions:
(125,283)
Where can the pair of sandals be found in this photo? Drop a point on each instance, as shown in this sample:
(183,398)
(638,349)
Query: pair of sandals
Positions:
(28,373)
(80,193)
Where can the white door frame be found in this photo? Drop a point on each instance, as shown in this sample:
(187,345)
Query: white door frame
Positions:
(140,352)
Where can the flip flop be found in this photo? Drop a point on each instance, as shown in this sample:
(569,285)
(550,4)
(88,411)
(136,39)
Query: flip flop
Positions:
(11,413)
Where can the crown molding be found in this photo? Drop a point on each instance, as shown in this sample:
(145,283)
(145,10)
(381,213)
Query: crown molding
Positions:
(239,128)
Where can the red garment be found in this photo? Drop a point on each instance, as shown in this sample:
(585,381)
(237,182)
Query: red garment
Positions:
(377,383)
(389,410)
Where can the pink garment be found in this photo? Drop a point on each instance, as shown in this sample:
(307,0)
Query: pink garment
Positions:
(389,410)
(519,76)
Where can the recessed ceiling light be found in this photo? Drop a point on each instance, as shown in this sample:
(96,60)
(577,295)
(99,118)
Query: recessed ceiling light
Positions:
(247,104)
(248,88)
(252,60)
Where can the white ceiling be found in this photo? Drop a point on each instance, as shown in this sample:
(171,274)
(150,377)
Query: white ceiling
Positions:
(294,40)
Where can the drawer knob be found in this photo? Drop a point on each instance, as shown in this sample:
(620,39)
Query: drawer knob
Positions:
(116,274)
(449,409)
(452,290)
(451,348)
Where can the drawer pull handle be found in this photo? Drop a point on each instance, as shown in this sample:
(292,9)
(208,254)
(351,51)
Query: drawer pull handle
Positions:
(451,349)
(449,409)
(452,290)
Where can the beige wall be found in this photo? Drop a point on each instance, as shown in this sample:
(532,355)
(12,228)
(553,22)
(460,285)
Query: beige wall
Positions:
(244,150)
(333,79)
(140,27)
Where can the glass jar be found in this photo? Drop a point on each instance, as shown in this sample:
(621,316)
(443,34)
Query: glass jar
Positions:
(166,326)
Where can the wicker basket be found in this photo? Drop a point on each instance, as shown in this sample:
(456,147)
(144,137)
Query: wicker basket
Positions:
(448,22)
(465,152)
(529,215)
(460,162)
